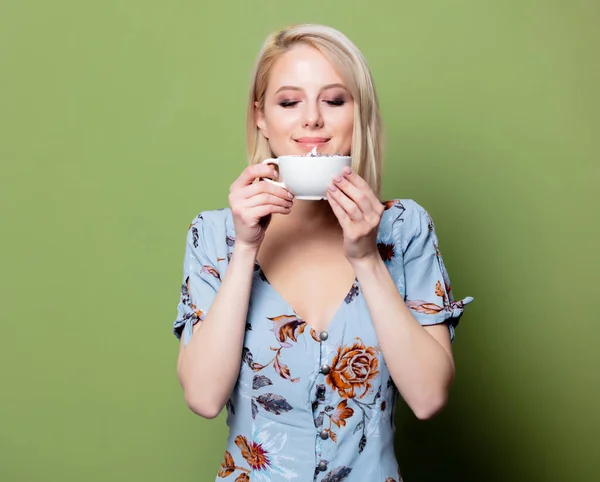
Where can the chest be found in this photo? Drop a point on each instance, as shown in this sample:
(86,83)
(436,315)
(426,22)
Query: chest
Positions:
(312,280)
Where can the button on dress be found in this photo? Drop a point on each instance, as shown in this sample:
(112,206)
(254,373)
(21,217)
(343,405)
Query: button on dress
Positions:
(307,405)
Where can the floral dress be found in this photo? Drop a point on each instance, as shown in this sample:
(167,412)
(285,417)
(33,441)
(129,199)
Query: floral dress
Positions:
(307,405)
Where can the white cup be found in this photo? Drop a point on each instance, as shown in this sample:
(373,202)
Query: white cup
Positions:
(307,177)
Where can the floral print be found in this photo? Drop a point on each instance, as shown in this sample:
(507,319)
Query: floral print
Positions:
(352,370)
(432,308)
(386,251)
(262,456)
(306,395)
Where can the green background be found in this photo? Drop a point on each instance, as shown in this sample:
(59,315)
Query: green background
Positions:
(121,120)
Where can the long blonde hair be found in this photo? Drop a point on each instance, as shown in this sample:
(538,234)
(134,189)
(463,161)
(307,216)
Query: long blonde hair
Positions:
(367,136)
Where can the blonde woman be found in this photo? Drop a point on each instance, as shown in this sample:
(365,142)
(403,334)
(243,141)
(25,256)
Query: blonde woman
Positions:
(307,319)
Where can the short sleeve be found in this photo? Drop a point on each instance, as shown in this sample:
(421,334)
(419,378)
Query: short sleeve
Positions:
(428,292)
(201,280)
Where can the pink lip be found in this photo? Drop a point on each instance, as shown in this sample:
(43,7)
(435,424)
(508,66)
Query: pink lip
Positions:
(312,140)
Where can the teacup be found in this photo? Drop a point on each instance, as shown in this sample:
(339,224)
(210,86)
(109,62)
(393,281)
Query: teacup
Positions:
(307,177)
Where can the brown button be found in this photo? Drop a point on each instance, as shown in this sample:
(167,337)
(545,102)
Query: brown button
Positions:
(324,434)
(325,368)
(322,466)
(323,335)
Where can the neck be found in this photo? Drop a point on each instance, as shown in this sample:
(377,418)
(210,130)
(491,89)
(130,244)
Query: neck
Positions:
(311,215)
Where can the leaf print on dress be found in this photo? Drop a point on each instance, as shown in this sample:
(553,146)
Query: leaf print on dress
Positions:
(230,406)
(196,314)
(338,474)
(273,403)
(211,271)
(260,381)
(444,272)
(247,357)
(341,413)
(337,417)
(350,297)
(286,328)
(432,308)
(281,369)
(261,275)
(314,335)
(227,466)
(195,236)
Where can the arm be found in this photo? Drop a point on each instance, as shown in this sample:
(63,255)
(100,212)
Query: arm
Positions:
(209,365)
(212,310)
(419,358)
(414,336)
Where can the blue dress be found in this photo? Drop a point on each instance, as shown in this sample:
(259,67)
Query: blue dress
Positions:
(311,406)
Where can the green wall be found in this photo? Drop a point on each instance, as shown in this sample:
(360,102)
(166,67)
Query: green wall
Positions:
(121,120)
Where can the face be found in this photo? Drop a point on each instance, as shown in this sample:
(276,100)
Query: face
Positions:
(306,105)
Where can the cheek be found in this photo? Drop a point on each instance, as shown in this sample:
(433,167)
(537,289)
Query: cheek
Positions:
(345,121)
(348,127)
(279,123)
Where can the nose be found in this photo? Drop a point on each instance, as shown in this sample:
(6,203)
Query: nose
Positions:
(312,116)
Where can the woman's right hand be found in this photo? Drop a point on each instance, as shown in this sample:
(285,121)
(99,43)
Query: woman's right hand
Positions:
(252,204)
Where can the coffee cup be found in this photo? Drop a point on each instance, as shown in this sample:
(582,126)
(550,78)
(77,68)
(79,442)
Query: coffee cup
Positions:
(307,177)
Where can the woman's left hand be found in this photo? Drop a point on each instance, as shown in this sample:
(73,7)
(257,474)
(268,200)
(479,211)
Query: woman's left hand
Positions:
(358,211)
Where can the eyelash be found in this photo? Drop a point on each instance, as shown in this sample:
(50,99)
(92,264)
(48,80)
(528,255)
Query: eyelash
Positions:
(293,103)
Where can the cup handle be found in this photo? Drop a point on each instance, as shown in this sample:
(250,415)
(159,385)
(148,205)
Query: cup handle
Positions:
(276,162)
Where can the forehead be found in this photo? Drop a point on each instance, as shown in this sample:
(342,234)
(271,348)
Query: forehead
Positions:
(302,66)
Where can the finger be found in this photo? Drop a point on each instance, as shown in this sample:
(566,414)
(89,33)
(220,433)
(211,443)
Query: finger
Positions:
(359,191)
(339,212)
(265,187)
(266,198)
(347,204)
(252,172)
(354,193)
(266,209)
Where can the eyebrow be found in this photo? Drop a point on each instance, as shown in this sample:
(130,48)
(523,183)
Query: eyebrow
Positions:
(292,87)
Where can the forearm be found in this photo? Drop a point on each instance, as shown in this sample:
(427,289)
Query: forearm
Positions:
(420,366)
(210,362)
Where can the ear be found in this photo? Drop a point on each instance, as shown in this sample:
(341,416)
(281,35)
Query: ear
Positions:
(259,118)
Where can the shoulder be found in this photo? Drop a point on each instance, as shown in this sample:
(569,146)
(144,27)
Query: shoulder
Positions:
(211,227)
(404,211)
(402,221)
(212,218)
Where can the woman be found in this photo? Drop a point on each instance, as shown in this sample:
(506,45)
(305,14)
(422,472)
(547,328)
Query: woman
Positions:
(306,318)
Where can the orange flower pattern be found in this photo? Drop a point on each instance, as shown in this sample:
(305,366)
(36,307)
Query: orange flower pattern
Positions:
(254,454)
(352,370)
(288,368)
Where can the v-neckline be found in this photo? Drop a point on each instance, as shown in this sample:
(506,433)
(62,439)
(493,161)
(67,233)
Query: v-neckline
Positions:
(329,324)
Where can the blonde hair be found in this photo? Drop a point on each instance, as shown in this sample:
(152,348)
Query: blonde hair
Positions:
(367,136)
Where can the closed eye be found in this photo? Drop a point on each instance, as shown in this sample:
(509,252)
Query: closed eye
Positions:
(288,103)
(336,102)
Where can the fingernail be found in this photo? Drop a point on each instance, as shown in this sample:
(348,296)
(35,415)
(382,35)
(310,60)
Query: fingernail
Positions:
(331,187)
(274,173)
(347,170)
(290,195)
(337,178)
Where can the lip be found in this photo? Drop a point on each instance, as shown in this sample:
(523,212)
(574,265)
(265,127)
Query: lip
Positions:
(312,140)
